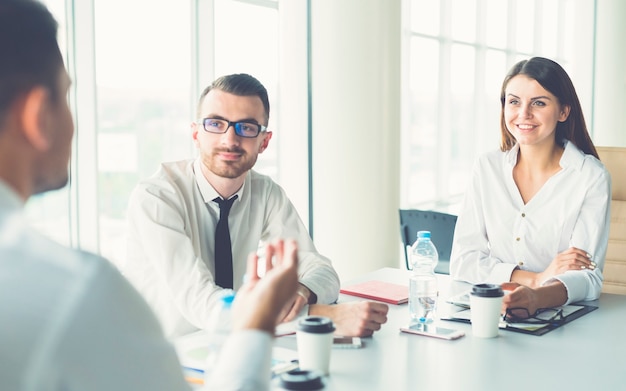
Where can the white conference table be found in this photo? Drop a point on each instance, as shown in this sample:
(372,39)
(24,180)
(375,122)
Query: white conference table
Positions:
(587,354)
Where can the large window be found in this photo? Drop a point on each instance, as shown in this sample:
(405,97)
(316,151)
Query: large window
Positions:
(460,51)
(138,74)
(146,96)
(136,84)
(143,84)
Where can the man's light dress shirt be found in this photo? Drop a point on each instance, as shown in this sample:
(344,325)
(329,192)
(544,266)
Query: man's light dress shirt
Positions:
(170,254)
(70,321)
(496,232)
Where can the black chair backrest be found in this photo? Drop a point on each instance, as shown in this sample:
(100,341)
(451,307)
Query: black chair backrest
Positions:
(441,227)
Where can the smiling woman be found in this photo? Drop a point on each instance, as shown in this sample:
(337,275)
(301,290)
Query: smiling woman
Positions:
(531,113)
(536,213)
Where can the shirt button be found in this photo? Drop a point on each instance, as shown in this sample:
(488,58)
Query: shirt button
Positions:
(523,214)
(520,263)
(517,239)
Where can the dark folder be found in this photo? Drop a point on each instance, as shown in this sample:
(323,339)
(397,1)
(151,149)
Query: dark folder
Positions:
(463,316)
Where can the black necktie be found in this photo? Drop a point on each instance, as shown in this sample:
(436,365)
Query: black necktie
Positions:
(223,251)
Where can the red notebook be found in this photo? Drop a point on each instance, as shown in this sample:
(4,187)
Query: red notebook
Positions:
(379,290)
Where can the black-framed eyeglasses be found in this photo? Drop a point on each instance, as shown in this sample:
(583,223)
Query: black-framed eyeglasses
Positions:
(541,316)
(242,128)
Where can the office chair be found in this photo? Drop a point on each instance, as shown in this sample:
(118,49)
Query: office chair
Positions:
(441,227)
(614,159)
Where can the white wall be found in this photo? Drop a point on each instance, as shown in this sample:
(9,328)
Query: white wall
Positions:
(292,133)
(356,132)
(609,118)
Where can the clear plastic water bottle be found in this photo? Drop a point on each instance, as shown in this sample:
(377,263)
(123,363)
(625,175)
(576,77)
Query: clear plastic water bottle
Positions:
(423,290)
(219,327)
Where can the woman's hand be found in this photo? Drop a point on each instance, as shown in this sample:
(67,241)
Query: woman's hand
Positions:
(520,296)
(571,259)
(260,300)
(551,295)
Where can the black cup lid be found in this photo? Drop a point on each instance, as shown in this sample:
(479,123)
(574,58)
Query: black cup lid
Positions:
(316,325)
(301,380)
(487,290)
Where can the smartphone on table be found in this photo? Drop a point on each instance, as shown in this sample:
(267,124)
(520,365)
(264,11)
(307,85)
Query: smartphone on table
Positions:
(430,330)
(347,342)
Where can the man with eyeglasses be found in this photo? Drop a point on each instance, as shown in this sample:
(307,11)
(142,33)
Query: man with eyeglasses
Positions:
(178,256)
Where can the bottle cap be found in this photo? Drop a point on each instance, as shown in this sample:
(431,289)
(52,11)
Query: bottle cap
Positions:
(227,298)
(423,234)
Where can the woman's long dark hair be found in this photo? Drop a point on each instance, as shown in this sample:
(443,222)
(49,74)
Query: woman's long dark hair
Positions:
(554,79)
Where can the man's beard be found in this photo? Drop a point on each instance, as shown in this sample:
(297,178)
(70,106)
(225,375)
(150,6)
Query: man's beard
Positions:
(226,169)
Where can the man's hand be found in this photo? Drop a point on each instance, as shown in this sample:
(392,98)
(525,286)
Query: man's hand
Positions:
(353,319)
(259,301)
(293,307)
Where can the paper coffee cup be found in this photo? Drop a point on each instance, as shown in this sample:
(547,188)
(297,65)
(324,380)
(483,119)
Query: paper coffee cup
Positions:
(485,307)
(301,380)
(314,336)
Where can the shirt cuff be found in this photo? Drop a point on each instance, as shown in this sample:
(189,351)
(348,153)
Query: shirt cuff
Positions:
(580,285)
(244,362)
(291,327)
(500,273)
(305,292)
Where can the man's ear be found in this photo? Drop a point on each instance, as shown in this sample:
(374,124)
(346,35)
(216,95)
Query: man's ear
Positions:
(34,118)
(266,141)
(194,134)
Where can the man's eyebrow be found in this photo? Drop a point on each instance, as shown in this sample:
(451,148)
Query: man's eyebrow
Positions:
(217,116)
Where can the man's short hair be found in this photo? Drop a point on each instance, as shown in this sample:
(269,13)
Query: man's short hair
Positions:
(29,52)
(240,84)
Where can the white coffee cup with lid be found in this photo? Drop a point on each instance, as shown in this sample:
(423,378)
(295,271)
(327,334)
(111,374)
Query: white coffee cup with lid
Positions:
(314,336)
(485,307)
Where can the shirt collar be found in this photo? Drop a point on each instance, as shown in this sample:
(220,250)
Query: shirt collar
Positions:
(572,156)
(207,191)
(9,199)
(511,155)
